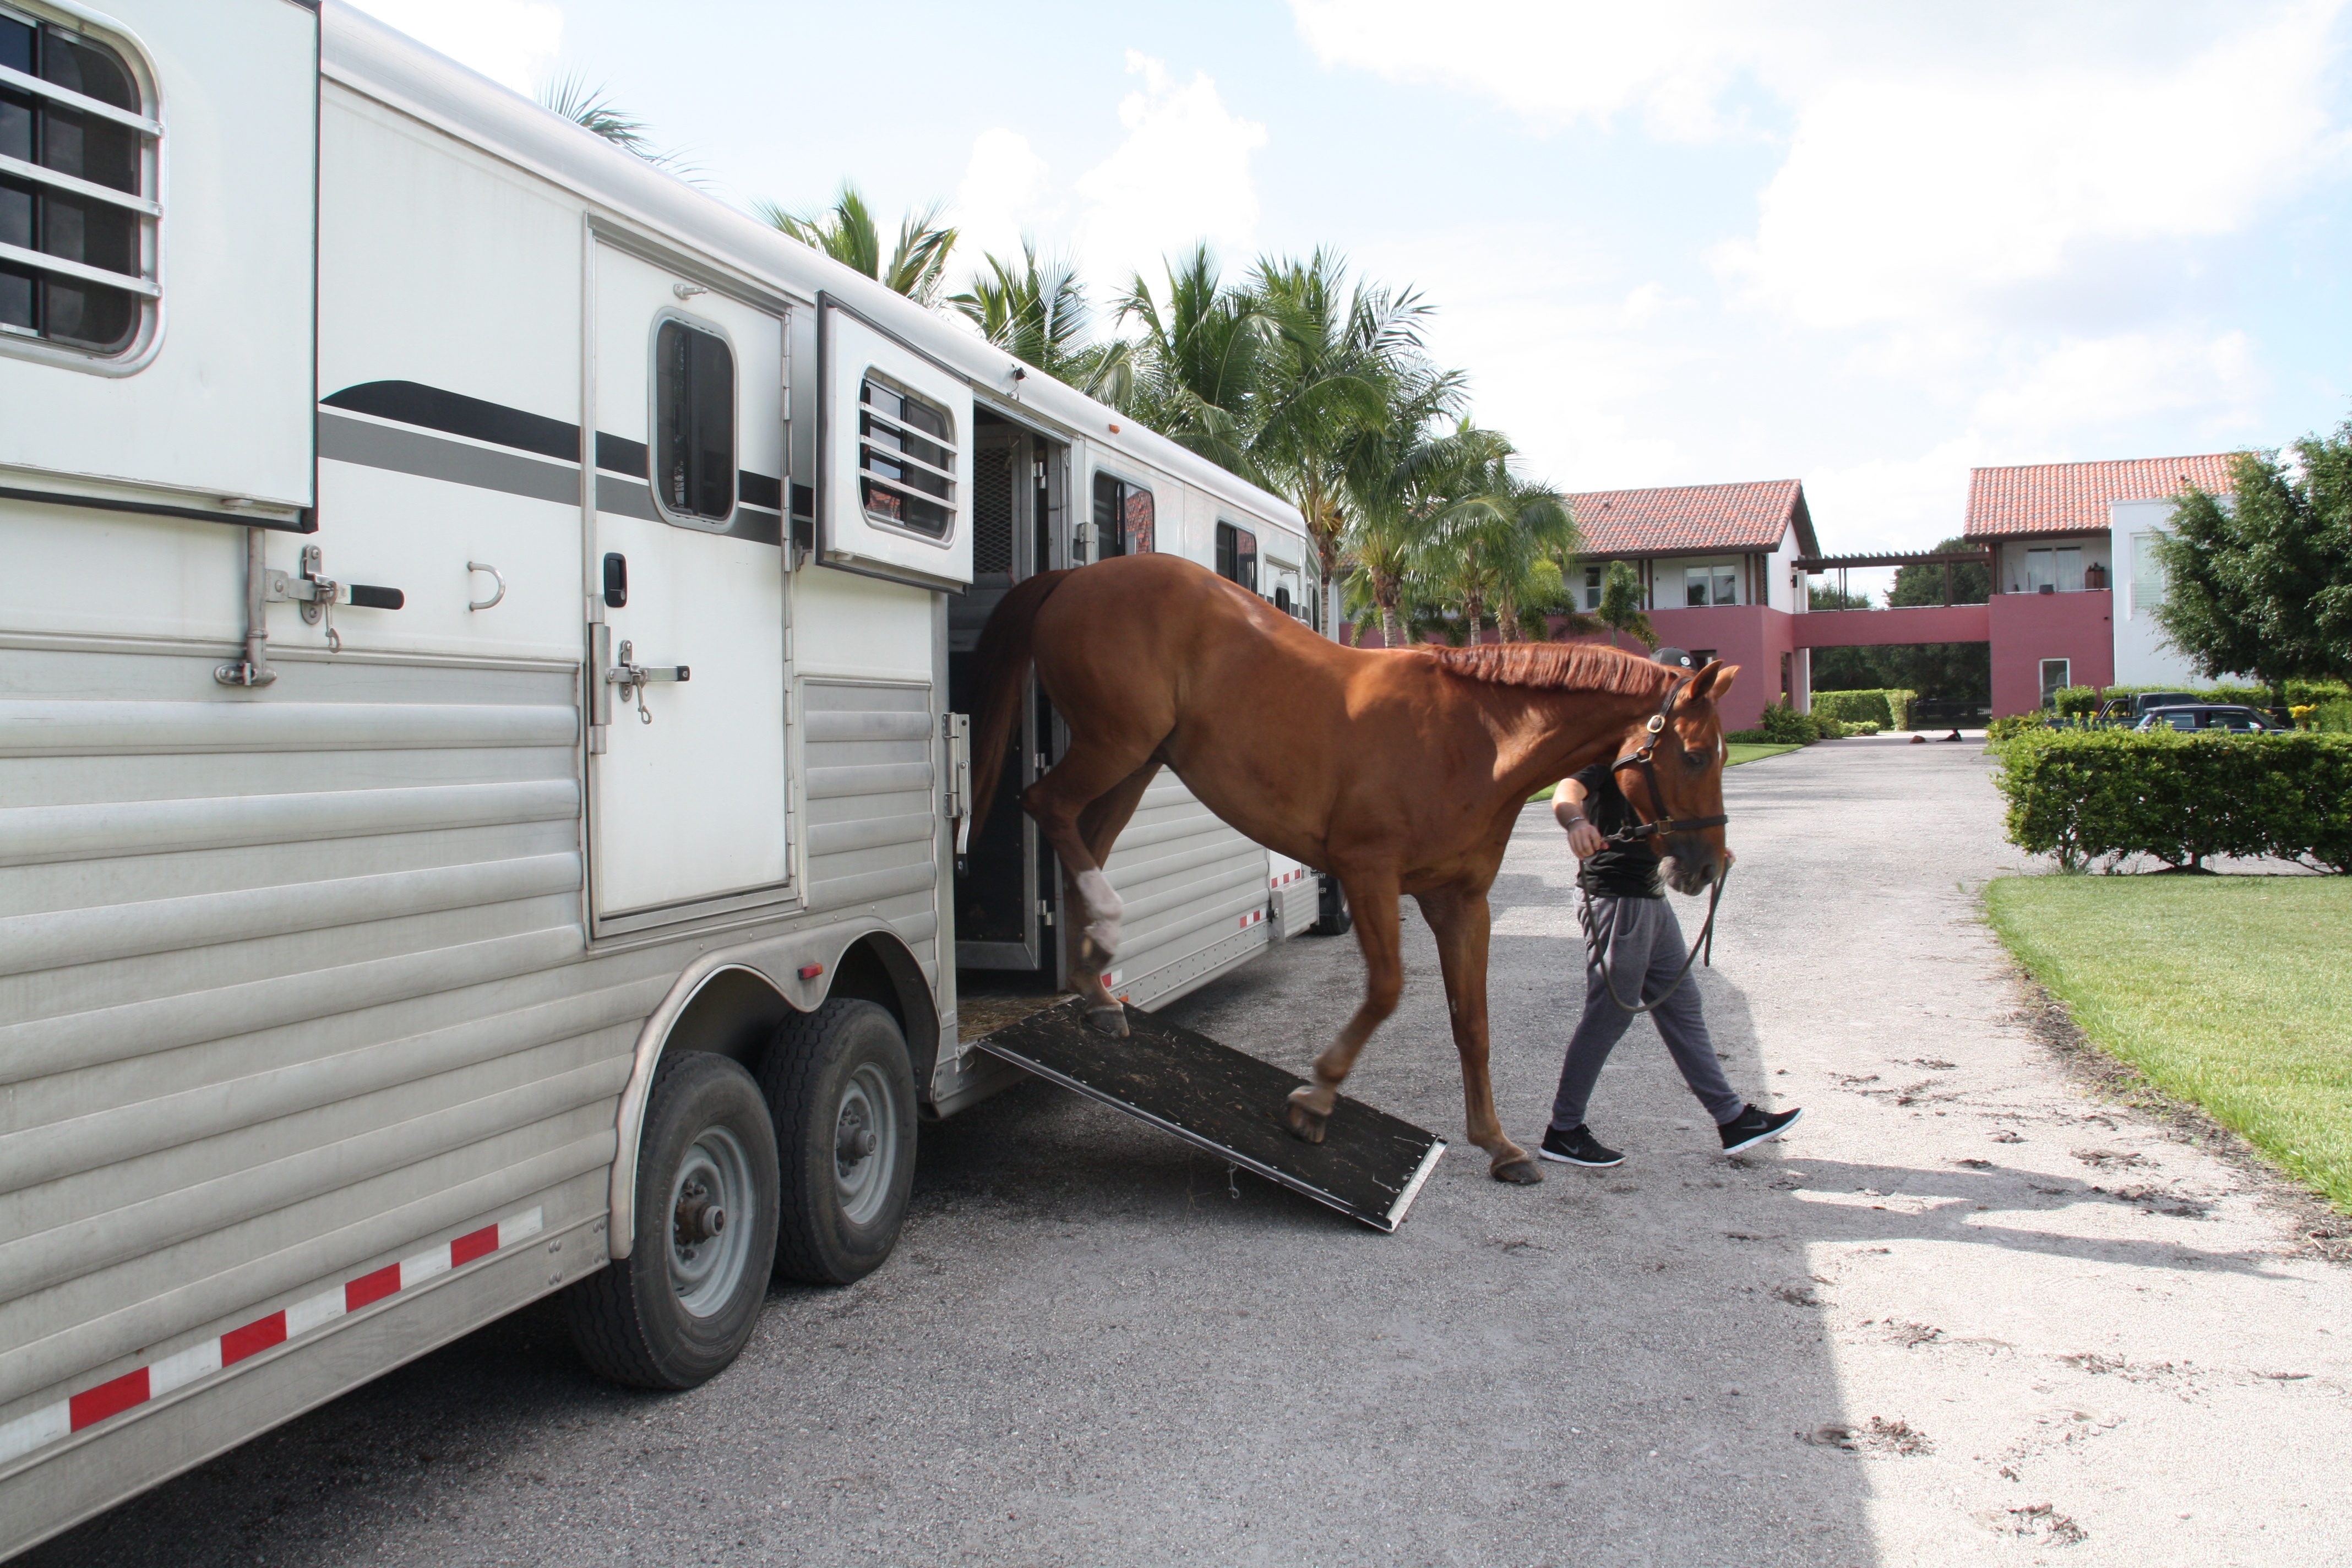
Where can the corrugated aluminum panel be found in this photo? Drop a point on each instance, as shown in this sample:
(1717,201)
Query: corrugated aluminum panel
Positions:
(1189,883)
(289,980)
(870,783)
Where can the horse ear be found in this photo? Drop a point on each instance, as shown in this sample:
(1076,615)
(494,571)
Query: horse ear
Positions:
(1713,681)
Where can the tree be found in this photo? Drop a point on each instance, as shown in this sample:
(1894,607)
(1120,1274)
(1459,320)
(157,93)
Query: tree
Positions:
(1621,604)
(2263,586)
(1039,315)
(1197,359)
(847,232)
(589,108)
(1485,539)
(1401,478)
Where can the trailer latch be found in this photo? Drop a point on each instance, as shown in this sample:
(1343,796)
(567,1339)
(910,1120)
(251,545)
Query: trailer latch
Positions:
(632,678)
(318,594)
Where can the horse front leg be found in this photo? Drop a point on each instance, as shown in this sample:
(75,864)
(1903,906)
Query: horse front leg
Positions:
(1462,923)
(1374,902)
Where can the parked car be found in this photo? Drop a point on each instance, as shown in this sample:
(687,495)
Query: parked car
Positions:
(2128,710)
(2216,716)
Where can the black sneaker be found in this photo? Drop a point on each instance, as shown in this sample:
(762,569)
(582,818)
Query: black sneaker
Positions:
(1752,1127)
(1578,1146)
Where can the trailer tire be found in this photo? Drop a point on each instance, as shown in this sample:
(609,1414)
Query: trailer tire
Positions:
(842,1090)
(681,1305)
(1333,918)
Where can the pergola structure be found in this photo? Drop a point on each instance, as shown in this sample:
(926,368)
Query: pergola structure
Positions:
(1947,559)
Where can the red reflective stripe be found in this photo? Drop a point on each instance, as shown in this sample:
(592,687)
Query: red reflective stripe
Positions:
(479,1244)
(374,1286)
(95,1405)
(253,1338)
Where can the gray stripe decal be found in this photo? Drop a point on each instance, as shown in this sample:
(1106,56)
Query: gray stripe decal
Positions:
(436,458)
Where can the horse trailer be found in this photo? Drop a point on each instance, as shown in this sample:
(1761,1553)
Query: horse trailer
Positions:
(481,775)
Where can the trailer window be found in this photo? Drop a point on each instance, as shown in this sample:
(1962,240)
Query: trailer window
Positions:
(1237,555)
(905,460)
(77,215)
(1123,517)
(694,423)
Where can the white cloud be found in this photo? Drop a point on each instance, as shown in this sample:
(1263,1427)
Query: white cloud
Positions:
(1906,197)
(2084,385)
(1182,174)
(1004,197)
(510,41)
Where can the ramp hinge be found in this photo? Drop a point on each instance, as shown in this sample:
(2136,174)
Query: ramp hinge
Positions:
(955,729)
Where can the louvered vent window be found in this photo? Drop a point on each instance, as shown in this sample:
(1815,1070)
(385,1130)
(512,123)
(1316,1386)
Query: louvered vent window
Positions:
(78,161)
(2148,582)
(905,460)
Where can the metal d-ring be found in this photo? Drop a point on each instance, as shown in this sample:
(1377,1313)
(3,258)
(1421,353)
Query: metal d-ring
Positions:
(496,576)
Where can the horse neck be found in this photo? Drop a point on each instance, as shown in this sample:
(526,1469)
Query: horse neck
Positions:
(1543,735)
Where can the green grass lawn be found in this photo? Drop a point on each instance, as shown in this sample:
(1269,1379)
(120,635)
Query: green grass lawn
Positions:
(2231,992)
(1736,754)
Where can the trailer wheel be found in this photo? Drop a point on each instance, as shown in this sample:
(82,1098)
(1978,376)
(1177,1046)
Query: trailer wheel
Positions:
(680,1306)
(1333,917)
(842,1091)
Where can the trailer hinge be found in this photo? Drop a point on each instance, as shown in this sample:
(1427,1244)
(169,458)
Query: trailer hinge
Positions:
(956,730)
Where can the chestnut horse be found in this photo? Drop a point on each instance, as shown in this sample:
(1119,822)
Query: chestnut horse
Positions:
(1397,771)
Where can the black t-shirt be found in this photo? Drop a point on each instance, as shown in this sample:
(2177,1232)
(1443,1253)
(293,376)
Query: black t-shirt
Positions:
(1621,870)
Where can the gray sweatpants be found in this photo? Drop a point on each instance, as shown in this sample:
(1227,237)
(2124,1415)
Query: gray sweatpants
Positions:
(1644,943)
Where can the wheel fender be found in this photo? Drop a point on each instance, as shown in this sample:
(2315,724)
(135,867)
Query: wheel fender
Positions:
(779,962)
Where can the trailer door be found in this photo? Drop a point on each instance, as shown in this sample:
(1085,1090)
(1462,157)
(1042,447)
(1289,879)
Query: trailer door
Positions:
(686,777)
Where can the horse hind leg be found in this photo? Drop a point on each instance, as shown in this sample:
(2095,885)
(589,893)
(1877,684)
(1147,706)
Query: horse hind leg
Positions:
(1379,936)
(1080,805)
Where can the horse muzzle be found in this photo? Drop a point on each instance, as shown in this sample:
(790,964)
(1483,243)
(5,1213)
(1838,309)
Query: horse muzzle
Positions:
(1690,864)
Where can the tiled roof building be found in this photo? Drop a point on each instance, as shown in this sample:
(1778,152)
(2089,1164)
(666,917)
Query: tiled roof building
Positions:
(2073,497)
(1680,519)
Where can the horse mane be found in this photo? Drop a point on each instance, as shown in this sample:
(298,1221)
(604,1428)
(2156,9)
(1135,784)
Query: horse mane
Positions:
(1559,666)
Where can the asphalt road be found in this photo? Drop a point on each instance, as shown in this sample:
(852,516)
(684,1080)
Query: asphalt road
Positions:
(1095,1347)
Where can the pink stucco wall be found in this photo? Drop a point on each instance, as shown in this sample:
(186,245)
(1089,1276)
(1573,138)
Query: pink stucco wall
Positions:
(2027,628)
(1897,628)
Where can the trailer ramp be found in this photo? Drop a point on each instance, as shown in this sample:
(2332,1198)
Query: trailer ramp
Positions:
(1370,1166)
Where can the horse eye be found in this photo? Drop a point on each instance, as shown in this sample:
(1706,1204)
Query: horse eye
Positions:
(1697,760)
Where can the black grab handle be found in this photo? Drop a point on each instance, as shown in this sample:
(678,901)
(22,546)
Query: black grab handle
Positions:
(368,597)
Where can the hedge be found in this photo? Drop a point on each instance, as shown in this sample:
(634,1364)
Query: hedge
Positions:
(2083,701)
(1884,707)
(2083,794)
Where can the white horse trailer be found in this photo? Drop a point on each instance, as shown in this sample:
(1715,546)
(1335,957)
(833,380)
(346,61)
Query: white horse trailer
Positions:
(478,782)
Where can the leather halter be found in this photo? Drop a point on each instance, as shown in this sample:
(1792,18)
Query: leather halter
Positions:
(1644,760)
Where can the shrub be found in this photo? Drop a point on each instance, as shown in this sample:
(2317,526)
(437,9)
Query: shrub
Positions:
(2083,794)
(2078,701)
(2333,718)
(1883,707)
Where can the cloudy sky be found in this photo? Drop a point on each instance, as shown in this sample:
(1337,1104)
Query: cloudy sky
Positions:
(1866,244)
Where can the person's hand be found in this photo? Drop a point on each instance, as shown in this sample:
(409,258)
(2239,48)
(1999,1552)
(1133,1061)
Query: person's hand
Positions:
(1584,839)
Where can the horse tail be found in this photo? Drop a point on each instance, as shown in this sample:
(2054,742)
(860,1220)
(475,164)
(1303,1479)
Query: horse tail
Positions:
(999,672)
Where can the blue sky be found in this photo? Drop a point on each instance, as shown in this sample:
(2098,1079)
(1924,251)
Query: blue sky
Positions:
(1866,244)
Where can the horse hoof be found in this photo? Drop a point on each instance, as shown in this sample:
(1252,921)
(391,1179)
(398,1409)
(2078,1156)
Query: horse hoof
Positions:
(1305,1124)
(1519,1173)
(1109,1021)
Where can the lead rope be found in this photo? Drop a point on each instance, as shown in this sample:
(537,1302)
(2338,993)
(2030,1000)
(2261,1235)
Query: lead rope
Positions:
(1597,945)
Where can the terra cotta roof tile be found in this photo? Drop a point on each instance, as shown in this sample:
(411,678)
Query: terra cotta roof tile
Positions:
(1682,518)
(2073,497)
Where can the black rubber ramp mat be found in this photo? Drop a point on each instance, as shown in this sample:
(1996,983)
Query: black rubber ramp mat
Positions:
(1370,1165)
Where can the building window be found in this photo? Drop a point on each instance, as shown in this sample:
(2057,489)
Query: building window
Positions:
(1710,586)
(2149,585)
(2056,676)
(1237,555)
(2055,571)
(905,460)
(1593,587)
(1123,517)
(694,423)
(77,217)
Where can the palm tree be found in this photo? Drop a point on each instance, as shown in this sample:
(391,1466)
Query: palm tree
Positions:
(1339,362)
(1039,315)
(591,109)
(1198,360)
(846,232)
(1621,604)
(1402,481)
(1489,538)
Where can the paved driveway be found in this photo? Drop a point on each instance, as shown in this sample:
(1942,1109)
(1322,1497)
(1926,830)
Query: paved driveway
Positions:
(2033,1327)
